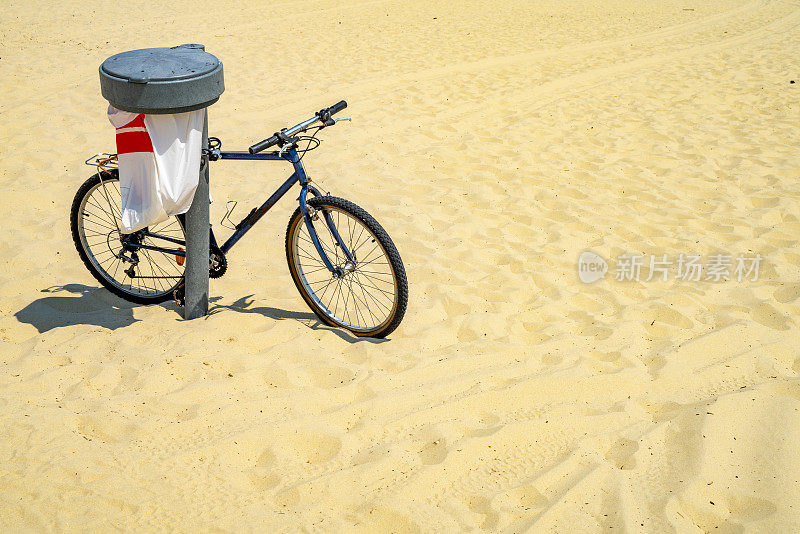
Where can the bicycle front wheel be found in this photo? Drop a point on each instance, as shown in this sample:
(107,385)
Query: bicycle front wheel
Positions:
(369,294)
(95,220)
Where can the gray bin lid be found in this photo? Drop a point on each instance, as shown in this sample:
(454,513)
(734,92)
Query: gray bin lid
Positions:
(162,80)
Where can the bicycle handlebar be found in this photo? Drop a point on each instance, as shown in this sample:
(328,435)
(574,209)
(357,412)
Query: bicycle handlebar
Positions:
(323,115)
(263,145)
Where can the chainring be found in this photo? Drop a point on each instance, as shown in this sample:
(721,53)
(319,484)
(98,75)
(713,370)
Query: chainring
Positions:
(218,264)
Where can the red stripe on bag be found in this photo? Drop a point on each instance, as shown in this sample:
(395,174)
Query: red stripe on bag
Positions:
(138,121)
(133,142)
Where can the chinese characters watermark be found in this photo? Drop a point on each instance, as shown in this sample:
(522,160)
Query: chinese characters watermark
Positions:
(686,267)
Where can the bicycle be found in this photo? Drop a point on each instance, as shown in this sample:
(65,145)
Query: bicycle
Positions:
(347,270)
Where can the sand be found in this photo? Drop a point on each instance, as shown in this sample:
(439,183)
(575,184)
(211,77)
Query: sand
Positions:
(495,141)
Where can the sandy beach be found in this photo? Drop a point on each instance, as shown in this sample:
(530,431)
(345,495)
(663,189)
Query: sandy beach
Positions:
(495,142)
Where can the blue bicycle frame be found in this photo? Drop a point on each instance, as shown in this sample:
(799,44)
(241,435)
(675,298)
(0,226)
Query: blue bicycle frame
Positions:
(299,175)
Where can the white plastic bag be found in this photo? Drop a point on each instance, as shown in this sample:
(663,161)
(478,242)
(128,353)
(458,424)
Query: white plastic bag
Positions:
(159,164)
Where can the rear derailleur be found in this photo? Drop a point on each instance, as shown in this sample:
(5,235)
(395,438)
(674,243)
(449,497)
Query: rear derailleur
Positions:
(131,257)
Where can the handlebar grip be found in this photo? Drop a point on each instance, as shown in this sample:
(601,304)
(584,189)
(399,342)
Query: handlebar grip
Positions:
(326,113)
(263,145)
(339,106)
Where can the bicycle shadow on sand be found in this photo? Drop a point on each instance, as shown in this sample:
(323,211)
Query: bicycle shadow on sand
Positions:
(99,307)
(89,305)
(310,320)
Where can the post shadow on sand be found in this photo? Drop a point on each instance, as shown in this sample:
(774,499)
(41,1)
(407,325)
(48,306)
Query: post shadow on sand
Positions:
(98,306)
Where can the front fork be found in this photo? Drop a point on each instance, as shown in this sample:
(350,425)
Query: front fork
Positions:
(336,271)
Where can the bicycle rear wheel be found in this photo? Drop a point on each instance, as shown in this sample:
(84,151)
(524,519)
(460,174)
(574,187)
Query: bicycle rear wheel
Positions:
(370,296)
(95,220)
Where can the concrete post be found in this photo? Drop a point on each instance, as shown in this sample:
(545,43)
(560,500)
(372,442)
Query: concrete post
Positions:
(197,242)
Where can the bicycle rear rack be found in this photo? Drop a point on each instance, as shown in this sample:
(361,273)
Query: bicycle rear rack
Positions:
(104,162)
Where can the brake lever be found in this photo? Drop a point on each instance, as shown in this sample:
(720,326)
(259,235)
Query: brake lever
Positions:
(332,121)
(288,146)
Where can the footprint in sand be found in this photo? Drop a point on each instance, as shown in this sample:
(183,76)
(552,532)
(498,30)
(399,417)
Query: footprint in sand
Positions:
(327,377)
(764,202)
(433,452)
(768,316)
(382,519)
(747,508)
(489,424)
(262,477)
(662,321)
(551,359)
(276,377)
(790,389)
(525,498)
(621,454)
(431,445)
(372,454)
(605,362)
(714,510)
(187,414)
(612,356)
(662,411)
(479,504)
(787,293)
(105,429)
(671,316)
(308,446)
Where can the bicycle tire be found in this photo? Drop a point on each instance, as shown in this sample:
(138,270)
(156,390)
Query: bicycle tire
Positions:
(362,278)
(79,220)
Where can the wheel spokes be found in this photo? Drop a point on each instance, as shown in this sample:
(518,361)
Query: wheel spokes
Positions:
(156,273)
(362,298)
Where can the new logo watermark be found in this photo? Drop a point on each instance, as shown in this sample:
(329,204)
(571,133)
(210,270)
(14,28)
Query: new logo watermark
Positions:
(688,267)
(591,267)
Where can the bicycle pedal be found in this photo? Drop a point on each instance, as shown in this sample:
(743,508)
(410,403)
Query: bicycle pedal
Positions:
(179,295)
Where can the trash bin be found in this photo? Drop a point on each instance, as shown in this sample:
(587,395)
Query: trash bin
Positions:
(162,80)
(158,81)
